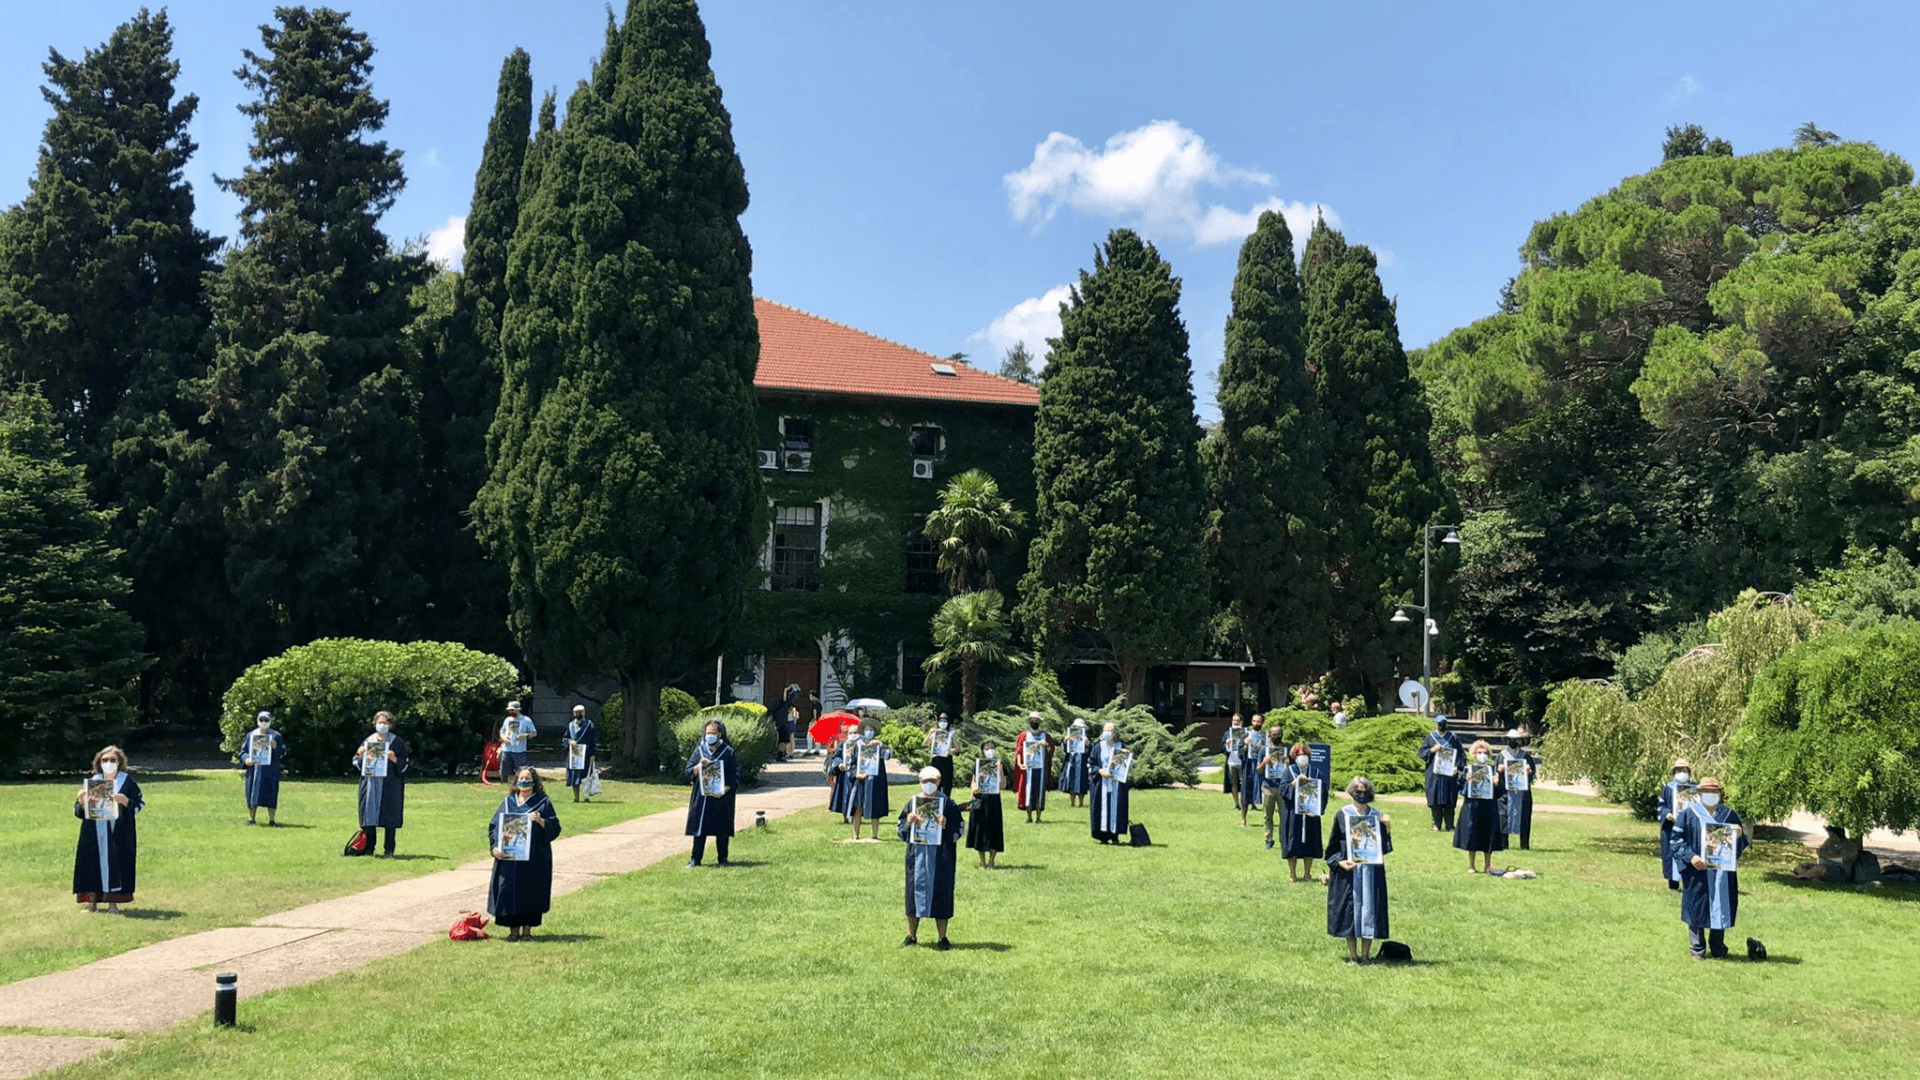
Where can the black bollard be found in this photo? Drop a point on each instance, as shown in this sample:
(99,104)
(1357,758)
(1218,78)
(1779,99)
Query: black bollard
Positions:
(759,819)
(226,998)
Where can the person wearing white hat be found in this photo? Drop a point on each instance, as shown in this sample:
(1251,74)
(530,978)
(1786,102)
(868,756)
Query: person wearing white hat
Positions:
(515,730)
(583,746)
(1520,769)
(931,824)
(261,754)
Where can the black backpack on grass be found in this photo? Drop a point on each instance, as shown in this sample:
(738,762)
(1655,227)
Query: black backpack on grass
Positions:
(1137,836)
(1395,950)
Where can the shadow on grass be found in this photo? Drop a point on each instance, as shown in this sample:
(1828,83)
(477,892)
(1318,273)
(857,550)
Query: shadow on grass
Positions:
(406,858)
(1640,846)
(1021,866)
(286,825)
(984,946)
(564,938)
(1898,892)
(737,864)
(151,914)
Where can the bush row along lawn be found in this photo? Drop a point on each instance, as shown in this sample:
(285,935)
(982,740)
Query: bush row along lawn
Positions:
(1194,957)
(201,867)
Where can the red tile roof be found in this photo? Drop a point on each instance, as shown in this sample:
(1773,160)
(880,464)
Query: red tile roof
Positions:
(805,353)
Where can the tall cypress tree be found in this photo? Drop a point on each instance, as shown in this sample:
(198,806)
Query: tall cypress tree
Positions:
(101,304)
(623,495)
(1381,483)
(1266,491)
(1118,552)
(312,398)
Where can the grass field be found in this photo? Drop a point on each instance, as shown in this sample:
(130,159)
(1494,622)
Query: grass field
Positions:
(201,867)
(1192,958)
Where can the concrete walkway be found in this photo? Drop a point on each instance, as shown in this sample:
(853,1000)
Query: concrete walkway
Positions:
(168,982)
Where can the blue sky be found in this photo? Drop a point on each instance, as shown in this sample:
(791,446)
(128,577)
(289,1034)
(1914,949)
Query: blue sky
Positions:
(934,173)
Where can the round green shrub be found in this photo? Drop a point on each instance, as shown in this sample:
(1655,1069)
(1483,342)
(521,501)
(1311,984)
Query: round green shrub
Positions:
(445,699)
(748,727)
(904,730)
(1162,757)
(1385,749)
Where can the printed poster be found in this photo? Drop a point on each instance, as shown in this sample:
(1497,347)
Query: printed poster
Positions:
(713,778)
(1519,775)
(1121,765)
(1480,780)
(928,831)
(374,762)
(1036,755)
(986,777)
(869,762)
(1277,767)
(943,744)
(1307,798)
(1445,762)
(1077,741)
(1364,841)
(576,755)
(99,801)
(516,836)
(260,749)
(1720,845)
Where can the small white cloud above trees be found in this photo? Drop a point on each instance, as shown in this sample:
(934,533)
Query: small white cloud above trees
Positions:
(1032,321)
(447,245)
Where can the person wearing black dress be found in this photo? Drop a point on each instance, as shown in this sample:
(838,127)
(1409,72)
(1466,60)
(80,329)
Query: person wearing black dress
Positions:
(986,832)
(521,891)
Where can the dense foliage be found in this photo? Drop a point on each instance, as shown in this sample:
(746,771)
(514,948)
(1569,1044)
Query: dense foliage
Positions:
(445,700)
(748,728)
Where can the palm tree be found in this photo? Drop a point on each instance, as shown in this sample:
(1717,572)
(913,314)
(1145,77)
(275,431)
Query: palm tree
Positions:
(970,630)
(972,521)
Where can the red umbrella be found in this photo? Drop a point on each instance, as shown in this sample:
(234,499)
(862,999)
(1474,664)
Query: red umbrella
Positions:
(827,728)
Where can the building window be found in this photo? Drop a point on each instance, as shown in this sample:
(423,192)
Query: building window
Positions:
(796,433)
(913,675)
(927,442)
(796,549)
(923,563)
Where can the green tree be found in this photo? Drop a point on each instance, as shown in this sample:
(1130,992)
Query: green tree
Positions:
(1018,365)
(1266,486)
(1810,134)
(1381,483)
(1834,726)
(969,632)
(1868,588)
(1691,141)
(101,305)
(68,652)
(312,397)
(1119,552)
(972,522)
(622,495)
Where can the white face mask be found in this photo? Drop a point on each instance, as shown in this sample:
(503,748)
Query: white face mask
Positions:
(988,754)
(381,728)
(265,724)
(1479,757)
(929,786)
(1710,800)
(1300,759)
(109,767)
(1682,775)
(1106,736)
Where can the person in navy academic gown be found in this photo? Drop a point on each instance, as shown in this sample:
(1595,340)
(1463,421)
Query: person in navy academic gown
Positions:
(930,867)
(1031,781)
(1299,833)
(1232,758)
(866,795)
(581,733)
(1107,802)
(1442,791)
(1516,765)
(105,859)
(942,733)
(383,799)
(986,829)
(1480,831)
(839,786)
(1253,782)
(1073,764)
(263,777)
(1670,863)
(1357,892)
(711,815)
(521,893)
(1709,897)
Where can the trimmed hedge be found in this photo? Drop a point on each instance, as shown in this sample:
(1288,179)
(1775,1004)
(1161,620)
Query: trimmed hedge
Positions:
(748,727)
(445,699)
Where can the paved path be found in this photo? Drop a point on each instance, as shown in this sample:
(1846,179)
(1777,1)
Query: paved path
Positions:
(171,981)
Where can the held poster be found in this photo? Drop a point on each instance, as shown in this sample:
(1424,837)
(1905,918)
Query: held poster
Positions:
(1076,742)
(1443,761)
(374,761)
(1363,839)
(1518,775)
(1480,780)
(1306,796)
(986,777)
(1036,754)
(516,836)
(869,764)
(927,807)
(260,749)
(713,778)
(943,744)
(100,804)
(1720,845)
(576,755)
(1121,766)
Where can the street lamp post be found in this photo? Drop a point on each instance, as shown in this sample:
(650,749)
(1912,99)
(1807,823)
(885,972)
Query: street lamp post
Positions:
(1425,606)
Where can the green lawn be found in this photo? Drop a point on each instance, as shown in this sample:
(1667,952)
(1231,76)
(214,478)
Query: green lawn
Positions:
(201,867)
(1186,959)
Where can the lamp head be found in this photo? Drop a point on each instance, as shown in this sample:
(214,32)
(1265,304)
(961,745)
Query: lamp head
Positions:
(1400,616)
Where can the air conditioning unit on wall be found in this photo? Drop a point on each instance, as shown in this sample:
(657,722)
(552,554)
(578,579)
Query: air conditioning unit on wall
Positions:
(923,468)
(799,461)
(769,459)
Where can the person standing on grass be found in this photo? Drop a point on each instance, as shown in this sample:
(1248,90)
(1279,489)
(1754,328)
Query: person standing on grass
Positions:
(383,799)
(1033,756)
(939,744)
(1107,806)
(867,775)
(261,772)
(712,815)
(521,892)
(1356,888)
(930,867)
(1299,833)
(1479,831)
(515,730)
(105,859)
(1519,769)
(1233,746)
(986,832)
(1709,895)
(1437,750)
(1272,770)
(839,786)
(1073,766)
(1669,804)
(1253,783)
(581,734)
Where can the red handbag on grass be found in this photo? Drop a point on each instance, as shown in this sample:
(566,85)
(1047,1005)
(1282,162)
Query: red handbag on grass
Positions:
(471,927)
(489,761)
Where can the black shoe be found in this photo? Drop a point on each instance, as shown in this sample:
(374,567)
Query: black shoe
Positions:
(724,862)
(1673,885)
(387,853)
(273,824)
(910,942)
(1269,845)
(691,863)
(943,945)
(249,821)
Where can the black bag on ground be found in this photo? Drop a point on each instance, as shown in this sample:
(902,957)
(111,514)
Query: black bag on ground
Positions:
(357,845)
(1755,950)
(1137,836)
(1395,950)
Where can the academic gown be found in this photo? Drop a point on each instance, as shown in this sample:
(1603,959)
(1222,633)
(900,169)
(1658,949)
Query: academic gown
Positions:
(943,763)
(868,796)
(1709,899)
(1356,898)
(1030,785)
(986,829)
(835,765)
(582,732)
(1107,806)
(383,799)
(521,892)
(263,781)
(1478,828)
(707,815)
(1443,790)
(1073,773)
(1518,814)
(930,867)
(1299,833)
(1253,783)
(105,859)
(1669,864)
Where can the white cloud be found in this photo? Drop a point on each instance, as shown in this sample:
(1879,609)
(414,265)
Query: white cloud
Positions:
(1151,176)
(447,245)
(431,159)
(1032,320)
(1682,88)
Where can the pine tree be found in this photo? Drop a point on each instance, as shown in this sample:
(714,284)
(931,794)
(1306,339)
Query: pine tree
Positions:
(68,653)
(312,397)
(1266,488)
(1118,551)
(1018,365)
(1381,483)
(622,494)
(101,305)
